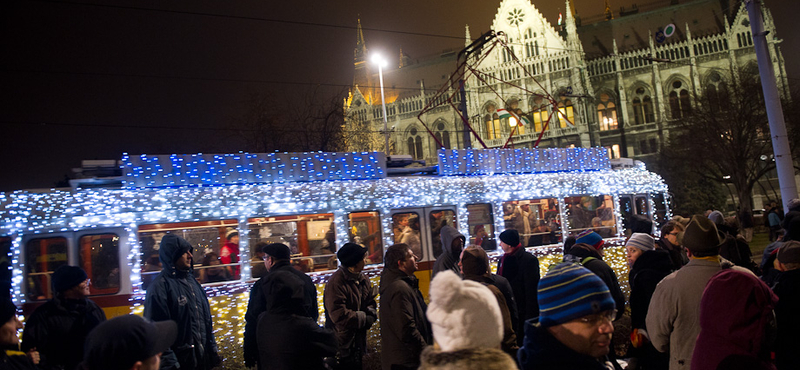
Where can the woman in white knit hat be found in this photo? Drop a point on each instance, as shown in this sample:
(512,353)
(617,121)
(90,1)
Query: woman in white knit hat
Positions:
(467,327)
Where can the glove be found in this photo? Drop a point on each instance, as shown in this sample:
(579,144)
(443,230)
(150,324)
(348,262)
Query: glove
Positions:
(370,320)
(639,338)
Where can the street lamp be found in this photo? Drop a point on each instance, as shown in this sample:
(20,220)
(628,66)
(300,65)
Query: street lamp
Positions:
(377,59)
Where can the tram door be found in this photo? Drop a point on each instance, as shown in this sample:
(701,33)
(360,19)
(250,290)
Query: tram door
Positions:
(420,228)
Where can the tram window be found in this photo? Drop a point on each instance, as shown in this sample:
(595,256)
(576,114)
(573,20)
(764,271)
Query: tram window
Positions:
(207,238)
(42,257)
(99,256)
(641,205)
(481,226)
(537,221)
(625,206)
(440,218)
(405,229)
(591,213)
(661,208)
(311,238)
(365,229)
(5,266)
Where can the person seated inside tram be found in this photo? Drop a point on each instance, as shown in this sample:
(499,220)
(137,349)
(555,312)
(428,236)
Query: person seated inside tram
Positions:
(213,274)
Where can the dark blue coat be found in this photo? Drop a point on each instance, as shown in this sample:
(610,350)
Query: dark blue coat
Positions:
(176,295)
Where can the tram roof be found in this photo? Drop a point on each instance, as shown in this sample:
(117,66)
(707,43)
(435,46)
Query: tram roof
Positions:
(87,208)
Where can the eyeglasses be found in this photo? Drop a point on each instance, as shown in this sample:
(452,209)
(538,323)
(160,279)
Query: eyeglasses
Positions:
(600,318)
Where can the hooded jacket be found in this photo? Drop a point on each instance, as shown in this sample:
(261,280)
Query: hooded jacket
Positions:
(176,295)
(350,310)
(449,259)
(405,330)
(58,330)
(746,328)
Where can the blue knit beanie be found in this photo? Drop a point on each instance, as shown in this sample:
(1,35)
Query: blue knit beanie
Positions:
(570,291)
(592,238)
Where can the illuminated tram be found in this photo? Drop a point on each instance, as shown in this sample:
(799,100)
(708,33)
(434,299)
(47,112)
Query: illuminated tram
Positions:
(312,202)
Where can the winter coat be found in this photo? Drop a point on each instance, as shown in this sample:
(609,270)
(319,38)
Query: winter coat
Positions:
(309,289)
(590,258)
(350,310)
(13,359)
(229,253)
(504,287)
(466,359)
(521,269)
(787,314)
(449,259)
(255,307)
(58,330)
(736,250)
(648,270)
(747,326)
(673,321)
(176,295)
(677,253)
(405,330)
(542,351)
(287,339)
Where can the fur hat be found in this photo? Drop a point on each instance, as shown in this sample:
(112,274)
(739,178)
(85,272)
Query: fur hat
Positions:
(701,236)
(66,277)
(642,241)
(570,291)
(350,254)
(510,237)
(463,313)
(592,238)
(278,251)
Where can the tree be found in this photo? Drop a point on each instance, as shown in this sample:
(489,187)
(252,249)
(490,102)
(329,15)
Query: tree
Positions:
(723,136)
(311,122)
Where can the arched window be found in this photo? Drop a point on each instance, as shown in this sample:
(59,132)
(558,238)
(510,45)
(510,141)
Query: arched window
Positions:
(642,107)
(607,113)
(492,121)
(414,144)
(716,93)
(566,114)
(513,107)
(539,113)
(679,103)
(443,135)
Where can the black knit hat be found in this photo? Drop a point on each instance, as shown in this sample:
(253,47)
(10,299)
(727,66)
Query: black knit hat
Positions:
(66,277)
(119,343)
(7,310)
(510,237)
(350,254)
(278,251)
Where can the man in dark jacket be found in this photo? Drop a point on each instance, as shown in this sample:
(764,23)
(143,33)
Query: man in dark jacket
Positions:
(405,330)
(787,311)
(58,328)
(287,338)
(276,258)
(521,269)
(670,241)
(453,244)
(176,295)
(575,326)
(350,307)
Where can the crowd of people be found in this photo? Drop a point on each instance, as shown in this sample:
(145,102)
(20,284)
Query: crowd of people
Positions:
(696,302)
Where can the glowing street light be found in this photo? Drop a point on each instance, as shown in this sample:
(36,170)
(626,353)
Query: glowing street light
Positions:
(378,60)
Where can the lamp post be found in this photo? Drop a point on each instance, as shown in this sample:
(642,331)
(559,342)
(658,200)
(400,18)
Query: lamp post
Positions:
(377,59)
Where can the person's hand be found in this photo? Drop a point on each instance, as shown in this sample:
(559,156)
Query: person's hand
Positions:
(33,354)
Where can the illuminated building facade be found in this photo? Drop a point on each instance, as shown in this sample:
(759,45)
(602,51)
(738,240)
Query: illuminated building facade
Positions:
(618,82)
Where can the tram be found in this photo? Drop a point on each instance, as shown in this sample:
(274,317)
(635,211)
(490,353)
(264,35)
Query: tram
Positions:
(312,202)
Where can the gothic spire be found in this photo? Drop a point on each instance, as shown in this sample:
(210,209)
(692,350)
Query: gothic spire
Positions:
(361,46)
(609,14)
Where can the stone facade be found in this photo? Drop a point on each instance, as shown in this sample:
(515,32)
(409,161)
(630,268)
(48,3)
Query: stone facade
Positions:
(615,83)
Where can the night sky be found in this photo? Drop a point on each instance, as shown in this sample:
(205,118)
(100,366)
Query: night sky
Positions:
(93,81)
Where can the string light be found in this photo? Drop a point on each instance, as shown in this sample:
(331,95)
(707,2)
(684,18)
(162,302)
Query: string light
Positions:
(190,188)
